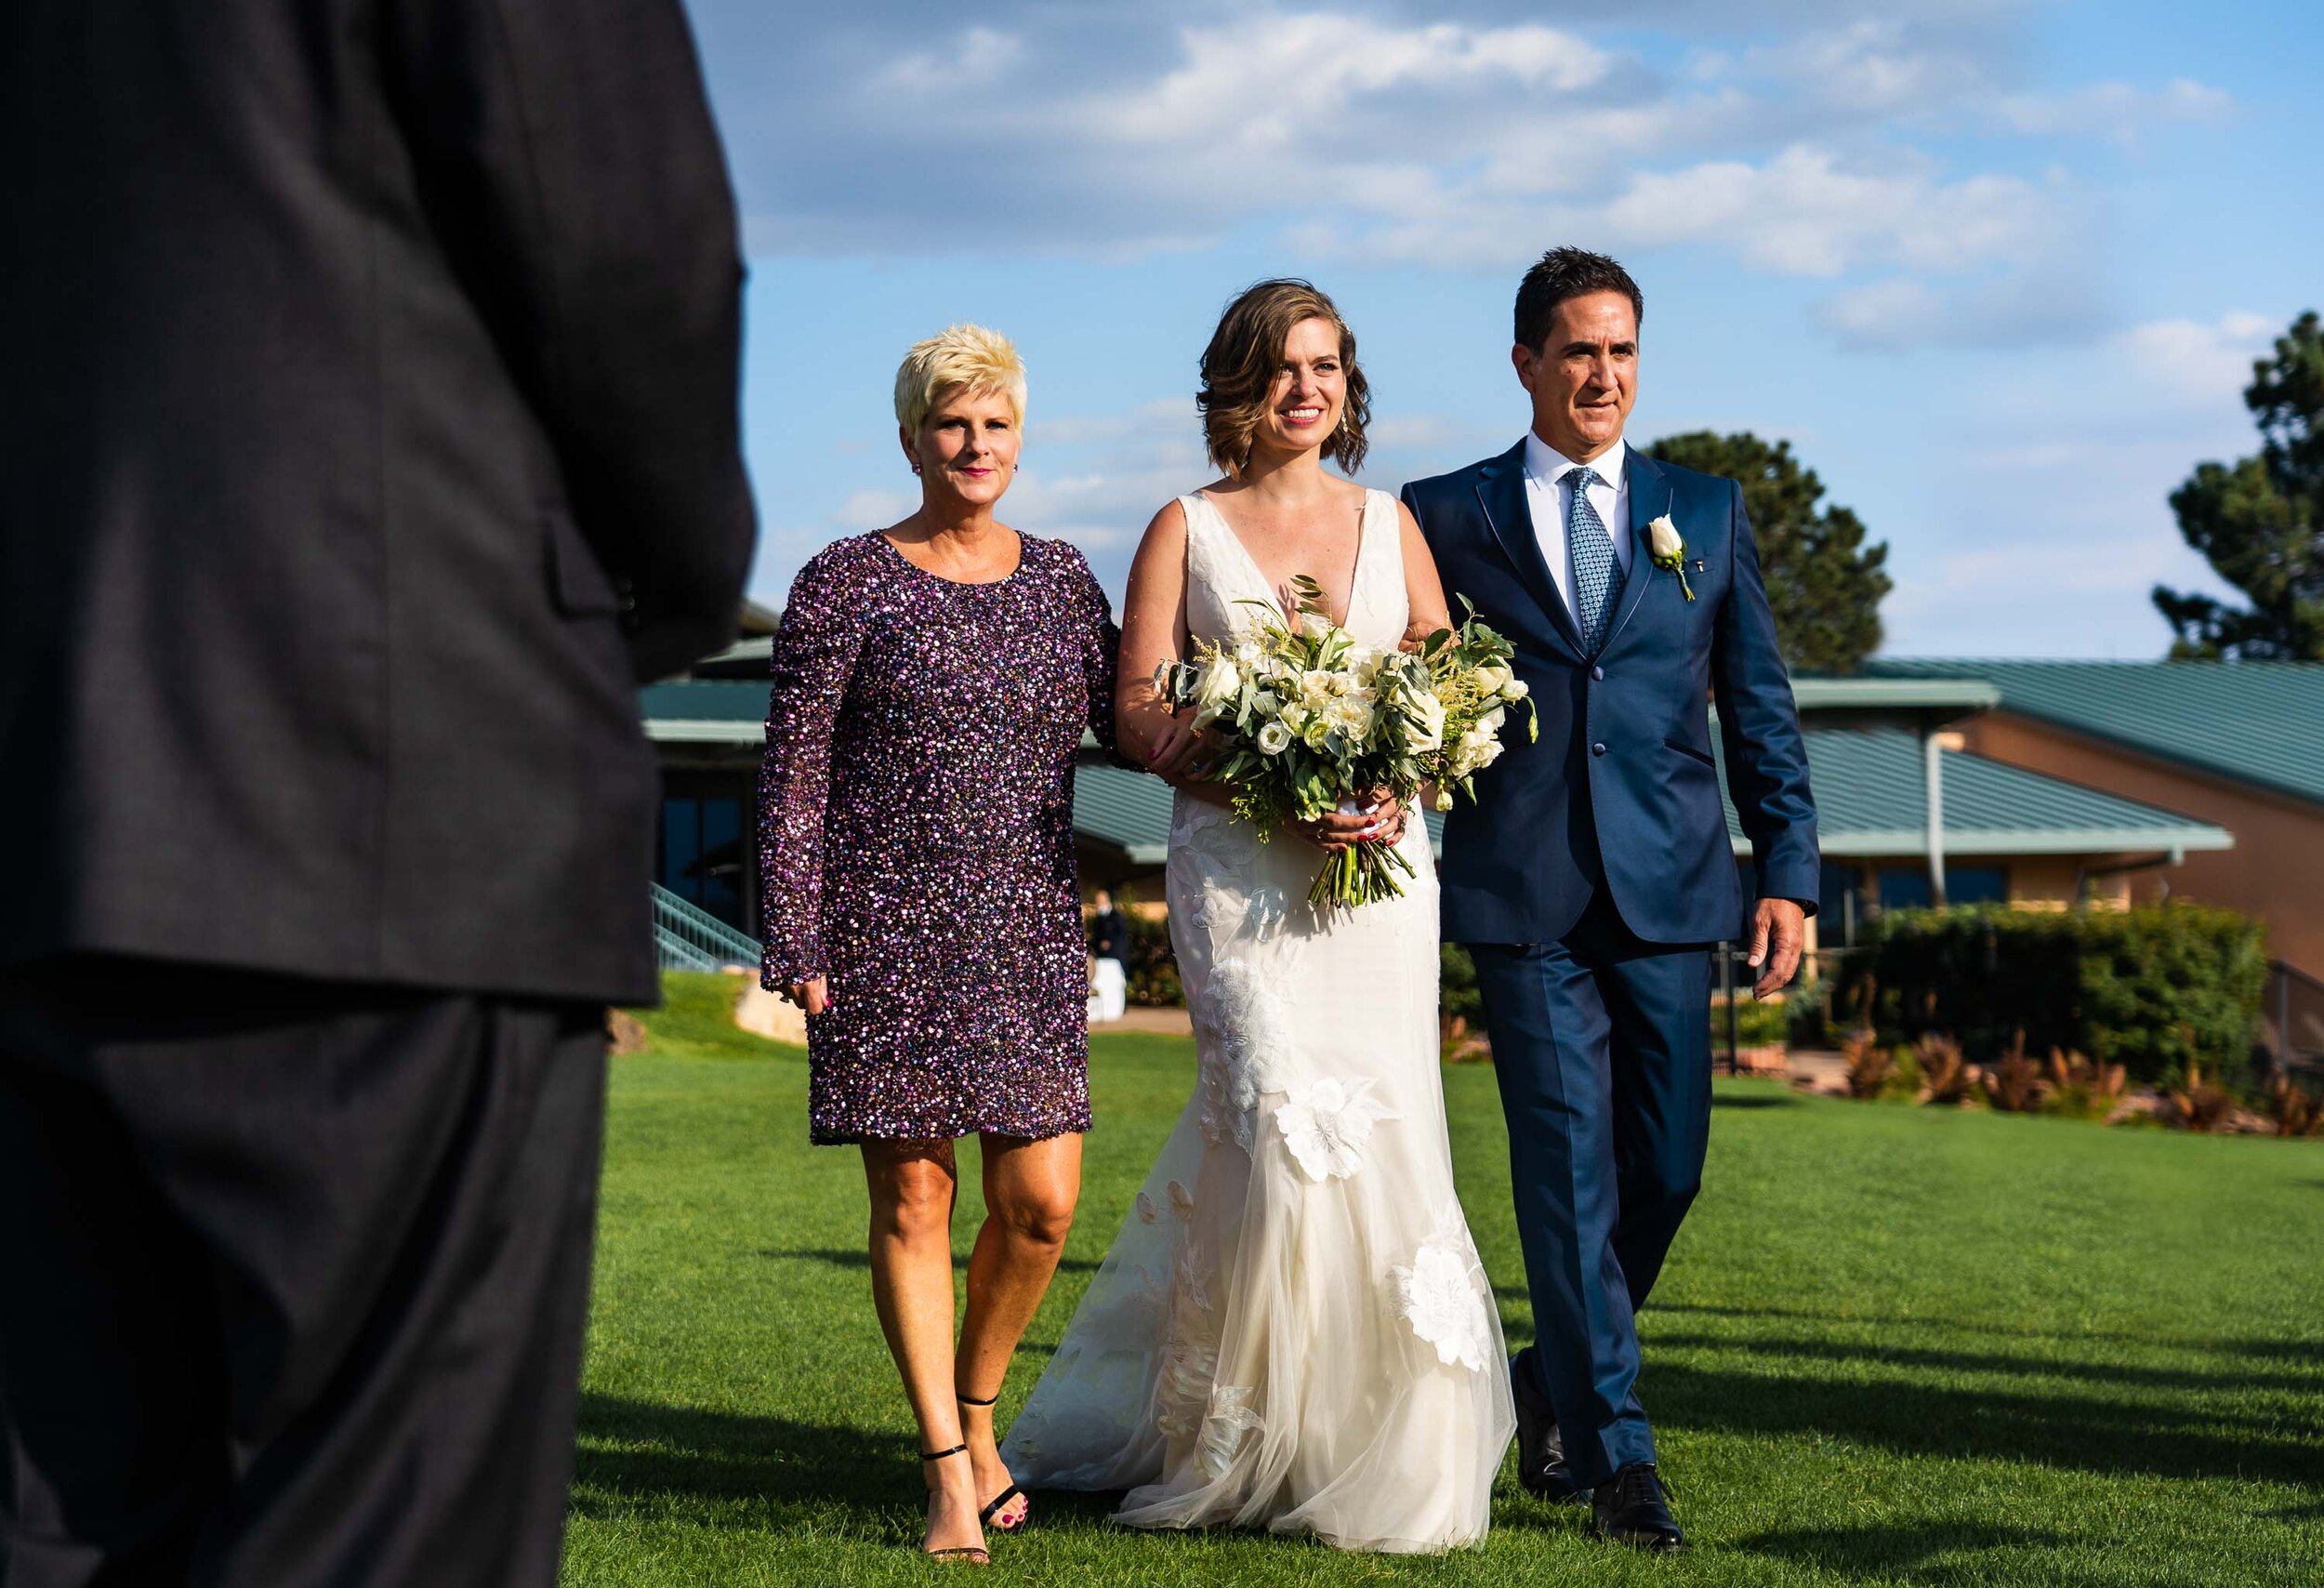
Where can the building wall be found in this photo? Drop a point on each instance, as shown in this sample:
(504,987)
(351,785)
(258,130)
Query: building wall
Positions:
(2275,870)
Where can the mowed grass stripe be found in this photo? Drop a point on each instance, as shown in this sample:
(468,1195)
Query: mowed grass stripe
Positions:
(1892,1346)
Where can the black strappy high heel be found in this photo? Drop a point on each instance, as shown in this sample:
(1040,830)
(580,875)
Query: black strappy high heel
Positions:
(1006,1495)
(968,1554)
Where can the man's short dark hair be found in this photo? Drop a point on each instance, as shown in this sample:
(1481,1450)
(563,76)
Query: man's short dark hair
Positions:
(1568,272)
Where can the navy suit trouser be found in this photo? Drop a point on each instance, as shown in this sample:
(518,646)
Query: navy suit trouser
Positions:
(1602,1045)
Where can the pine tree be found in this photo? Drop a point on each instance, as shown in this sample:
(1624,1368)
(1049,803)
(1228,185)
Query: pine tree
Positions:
(1824,583)
(2260,523)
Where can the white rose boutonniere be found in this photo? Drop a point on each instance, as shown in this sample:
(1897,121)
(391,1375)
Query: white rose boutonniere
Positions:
(1668,548)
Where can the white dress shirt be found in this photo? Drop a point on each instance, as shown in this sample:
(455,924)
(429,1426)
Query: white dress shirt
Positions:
(1550,496)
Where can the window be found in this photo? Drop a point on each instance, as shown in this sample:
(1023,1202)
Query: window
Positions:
(701,854)
(1907,887)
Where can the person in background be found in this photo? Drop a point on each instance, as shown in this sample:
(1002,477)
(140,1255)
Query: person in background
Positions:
(1109,950)
(931,683)
(369,376)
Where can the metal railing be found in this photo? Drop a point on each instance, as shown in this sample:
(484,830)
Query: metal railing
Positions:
(691,938)
(2293,1010)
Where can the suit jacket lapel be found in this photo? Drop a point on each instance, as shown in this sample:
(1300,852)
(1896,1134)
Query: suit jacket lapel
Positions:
(1501,493)
(1649,500)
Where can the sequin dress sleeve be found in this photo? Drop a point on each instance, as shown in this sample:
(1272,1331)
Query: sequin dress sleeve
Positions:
(1102,651)
(815,656)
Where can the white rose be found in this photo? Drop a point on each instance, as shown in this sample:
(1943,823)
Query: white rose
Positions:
(1275,739)
(1221,682)
(1515,689)
(1491,721)
(1426,714)
(1351,714)
(1664,538)
(1493,678)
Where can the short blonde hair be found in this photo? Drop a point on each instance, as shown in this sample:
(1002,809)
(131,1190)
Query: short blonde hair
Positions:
(966,356)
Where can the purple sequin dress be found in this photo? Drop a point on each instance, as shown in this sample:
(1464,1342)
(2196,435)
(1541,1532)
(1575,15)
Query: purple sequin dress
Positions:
(915,834)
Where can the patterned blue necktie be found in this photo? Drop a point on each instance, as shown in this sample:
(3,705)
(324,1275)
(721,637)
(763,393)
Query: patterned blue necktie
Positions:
(1592,551)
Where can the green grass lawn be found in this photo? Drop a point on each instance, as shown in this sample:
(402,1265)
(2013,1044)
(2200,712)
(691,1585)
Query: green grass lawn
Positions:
(1893,1346)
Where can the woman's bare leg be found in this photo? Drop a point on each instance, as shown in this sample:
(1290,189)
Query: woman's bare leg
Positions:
(911,1186)
(1030,1189)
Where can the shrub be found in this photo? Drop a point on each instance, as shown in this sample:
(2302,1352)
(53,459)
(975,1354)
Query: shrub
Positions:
(2083,1089)
(2156,989)
(1869,1064)
(1152,970)
(1457,996)
(2015,1085)
(2294,1110)
(1947,1078)
(2199,1105)
(1757,1025)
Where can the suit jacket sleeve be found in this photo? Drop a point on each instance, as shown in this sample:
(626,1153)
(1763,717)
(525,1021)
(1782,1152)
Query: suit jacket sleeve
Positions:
(568,160)
(1759,727)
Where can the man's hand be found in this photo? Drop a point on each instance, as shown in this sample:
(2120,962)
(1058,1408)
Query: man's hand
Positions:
(1779,934)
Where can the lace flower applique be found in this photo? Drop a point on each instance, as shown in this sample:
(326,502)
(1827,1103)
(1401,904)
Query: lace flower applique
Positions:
(1247,1035)
(1228,1424)
(1327,1126)
(1443,1295)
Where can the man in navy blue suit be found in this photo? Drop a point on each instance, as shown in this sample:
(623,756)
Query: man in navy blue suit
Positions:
(1595,873)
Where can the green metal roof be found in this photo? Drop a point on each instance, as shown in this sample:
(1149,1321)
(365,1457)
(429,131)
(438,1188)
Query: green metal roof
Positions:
(701,712)
(2256,722)
(1868,782)
(1870,800)
(1942,694)
(1127,810)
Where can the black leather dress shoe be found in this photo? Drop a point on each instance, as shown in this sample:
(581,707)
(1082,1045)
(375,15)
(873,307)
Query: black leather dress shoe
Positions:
(1633,1508)
(1540,1454)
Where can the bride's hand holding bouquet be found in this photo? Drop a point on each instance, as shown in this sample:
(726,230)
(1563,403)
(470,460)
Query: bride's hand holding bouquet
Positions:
(1309,723)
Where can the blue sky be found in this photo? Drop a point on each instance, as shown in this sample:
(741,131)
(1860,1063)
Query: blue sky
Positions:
(1997,268)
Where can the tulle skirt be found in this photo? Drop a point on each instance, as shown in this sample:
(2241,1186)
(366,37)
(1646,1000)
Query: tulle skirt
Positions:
(1292,1330)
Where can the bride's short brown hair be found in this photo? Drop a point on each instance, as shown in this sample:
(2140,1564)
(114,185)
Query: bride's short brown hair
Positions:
(1239,367)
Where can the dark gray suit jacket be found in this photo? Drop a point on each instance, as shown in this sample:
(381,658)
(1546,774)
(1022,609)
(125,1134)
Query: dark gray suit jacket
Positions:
(368,389)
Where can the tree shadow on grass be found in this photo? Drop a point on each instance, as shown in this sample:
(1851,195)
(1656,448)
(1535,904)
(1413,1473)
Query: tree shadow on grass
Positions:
(638,1455)
(634,1452)
(1727,1100)
(2073,1432)
(2300,1353)
(848,1258)
(1972,1362)
(1932,1552)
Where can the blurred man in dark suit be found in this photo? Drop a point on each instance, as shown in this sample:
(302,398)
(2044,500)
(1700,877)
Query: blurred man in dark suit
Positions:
(367,430)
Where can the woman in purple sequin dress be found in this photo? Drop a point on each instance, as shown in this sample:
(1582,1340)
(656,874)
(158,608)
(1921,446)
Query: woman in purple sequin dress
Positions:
(931,686)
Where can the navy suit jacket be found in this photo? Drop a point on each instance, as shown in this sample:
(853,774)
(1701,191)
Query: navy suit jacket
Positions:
(1622,787)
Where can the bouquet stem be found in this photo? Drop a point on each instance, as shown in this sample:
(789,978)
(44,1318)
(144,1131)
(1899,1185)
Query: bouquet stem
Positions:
(1359,874)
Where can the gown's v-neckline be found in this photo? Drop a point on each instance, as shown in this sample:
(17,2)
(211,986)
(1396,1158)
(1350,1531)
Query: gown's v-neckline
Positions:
(1274,600)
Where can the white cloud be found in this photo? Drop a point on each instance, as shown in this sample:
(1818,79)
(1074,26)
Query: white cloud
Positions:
(2198,360)
(2118,110)
(875,510)
(1804,213)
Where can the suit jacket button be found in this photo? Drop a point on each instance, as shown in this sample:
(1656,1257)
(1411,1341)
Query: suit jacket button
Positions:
(1596,672)
(1597,749)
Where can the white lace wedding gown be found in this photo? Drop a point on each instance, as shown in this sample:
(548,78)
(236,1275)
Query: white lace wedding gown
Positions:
(1292,1330)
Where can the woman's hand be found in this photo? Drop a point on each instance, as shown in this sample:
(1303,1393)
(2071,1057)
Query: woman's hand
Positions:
(1180,754)
(1381,820)
(814,995)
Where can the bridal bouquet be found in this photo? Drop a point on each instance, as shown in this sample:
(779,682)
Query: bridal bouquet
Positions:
(1312,722)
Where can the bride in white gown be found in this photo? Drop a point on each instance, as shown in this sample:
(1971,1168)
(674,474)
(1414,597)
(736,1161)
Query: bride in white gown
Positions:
(1292,1330)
